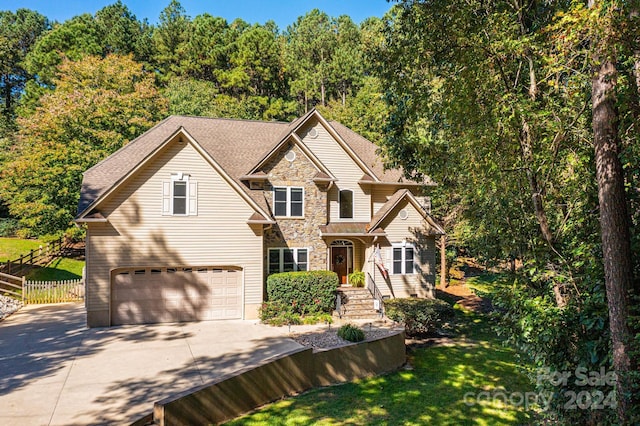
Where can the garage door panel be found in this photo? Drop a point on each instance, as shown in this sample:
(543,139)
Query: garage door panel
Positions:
(161,296)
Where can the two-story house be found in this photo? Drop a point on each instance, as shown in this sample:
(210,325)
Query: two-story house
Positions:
(187,221)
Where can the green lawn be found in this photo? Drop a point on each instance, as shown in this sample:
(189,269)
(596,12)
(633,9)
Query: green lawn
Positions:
(440,388)
(58,270)
(12,248)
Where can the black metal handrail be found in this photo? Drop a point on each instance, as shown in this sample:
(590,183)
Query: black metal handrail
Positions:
(375,292)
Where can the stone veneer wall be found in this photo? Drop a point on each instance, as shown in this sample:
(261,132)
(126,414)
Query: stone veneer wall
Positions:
(297,233)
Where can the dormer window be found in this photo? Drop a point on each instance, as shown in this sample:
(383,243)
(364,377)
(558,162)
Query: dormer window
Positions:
(346,204)
(288,201)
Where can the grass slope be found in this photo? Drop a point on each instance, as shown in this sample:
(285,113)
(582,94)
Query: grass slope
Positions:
(58,270)
(12,248)
(440,388)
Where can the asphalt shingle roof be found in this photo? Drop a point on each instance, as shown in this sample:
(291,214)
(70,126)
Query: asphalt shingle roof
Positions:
(236,145)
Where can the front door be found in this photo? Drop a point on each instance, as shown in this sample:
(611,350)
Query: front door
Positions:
(339,263)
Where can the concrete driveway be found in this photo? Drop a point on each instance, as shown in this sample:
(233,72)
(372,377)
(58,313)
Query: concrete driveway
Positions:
(55,371)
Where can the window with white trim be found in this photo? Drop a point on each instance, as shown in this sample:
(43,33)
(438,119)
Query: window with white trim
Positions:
(288,259)
(346,204)
(404,256)
(180,196)
(288,201)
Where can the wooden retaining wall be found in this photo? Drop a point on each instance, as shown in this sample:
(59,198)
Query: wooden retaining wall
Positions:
(239,393)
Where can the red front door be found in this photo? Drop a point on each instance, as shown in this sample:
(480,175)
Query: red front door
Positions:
(339,263)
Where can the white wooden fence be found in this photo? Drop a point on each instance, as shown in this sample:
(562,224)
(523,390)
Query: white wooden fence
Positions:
(53,291)
(32,292)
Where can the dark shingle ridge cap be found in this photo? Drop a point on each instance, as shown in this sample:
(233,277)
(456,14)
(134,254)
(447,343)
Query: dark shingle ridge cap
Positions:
(230,119)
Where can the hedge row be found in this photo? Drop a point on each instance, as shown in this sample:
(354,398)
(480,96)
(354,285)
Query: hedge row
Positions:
(305,292)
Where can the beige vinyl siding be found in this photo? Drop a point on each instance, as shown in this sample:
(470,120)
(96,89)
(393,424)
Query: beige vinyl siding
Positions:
(358,252)
(137,233)
(344,168)
(381,195)
(412,229)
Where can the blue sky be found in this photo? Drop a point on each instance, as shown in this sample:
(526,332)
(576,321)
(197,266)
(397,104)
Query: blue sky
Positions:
(283,12)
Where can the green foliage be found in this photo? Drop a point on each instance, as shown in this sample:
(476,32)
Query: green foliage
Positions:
(431,392)
(202,98)
(278,314)
(465,83)
(351,333)
(539,330)
(73,40)
(420,316)
(19,31)
(58,270)
(317,318)
(98,105)
(366,112)
(170,39)
(8,227)
(357,279)
(323,58)
(306,292)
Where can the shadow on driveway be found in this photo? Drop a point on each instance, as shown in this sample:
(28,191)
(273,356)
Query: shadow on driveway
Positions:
(56,371)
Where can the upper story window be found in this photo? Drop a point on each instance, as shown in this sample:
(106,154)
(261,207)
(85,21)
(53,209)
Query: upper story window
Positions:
(403,259)
(288,201)
(346,204)
(180,196)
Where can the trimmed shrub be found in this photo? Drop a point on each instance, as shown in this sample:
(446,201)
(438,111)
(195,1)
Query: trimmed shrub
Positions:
(351,333)
(307,292)
(420,316)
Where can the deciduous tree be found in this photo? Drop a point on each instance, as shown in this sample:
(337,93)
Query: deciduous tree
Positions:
(97,106)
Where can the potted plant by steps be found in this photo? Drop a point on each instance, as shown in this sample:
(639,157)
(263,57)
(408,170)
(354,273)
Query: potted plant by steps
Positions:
(356,279)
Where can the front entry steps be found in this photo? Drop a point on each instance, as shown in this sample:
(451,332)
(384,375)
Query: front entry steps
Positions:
(356,303)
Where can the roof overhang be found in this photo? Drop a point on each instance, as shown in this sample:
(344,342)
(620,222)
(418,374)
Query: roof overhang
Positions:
(94,217)
(290,137)
(368,180)
(349,229)
(181,132)
(81,215)
(258,219)
(393,203)
(255,177)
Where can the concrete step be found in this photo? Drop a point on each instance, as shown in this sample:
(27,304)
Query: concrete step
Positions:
(357,303)
(361,314)
(365,304)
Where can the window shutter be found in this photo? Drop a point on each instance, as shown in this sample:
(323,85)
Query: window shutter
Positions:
(166,198)
(388,263)
(193,198)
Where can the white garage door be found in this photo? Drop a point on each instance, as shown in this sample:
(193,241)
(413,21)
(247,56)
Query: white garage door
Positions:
(150,295)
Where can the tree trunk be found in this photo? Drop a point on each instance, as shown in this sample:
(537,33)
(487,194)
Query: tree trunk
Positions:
(614,222)
(538,205)
(444,276)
